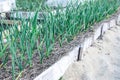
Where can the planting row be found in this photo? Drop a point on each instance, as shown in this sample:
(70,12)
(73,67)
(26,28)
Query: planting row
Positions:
(58,69)
(33,37)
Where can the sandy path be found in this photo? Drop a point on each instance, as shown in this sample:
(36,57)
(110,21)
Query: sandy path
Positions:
(101,60)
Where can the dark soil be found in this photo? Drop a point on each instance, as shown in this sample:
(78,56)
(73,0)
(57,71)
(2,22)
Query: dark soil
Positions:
(31,72)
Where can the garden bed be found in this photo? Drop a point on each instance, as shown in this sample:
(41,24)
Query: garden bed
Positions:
(84,40)
(61,47)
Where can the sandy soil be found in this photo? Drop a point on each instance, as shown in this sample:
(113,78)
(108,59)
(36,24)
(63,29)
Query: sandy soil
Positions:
(101,60)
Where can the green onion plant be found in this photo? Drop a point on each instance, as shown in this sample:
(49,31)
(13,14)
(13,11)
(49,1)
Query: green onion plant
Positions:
(61,26)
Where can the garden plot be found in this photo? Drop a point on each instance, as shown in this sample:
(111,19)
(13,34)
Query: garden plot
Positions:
(26,9)
(37,45)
